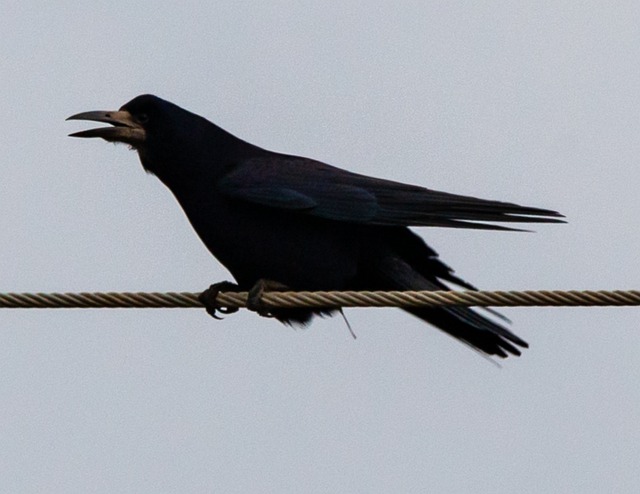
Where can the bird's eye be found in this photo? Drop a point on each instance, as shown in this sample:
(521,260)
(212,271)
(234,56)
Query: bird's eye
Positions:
(142,117)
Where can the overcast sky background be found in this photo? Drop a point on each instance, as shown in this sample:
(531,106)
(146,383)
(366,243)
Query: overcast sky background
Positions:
(531,102)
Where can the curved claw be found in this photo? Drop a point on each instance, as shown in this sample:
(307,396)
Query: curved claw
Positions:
(209,297)
(254,299)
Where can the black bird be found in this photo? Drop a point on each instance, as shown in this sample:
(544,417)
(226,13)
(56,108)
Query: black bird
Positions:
(277,221)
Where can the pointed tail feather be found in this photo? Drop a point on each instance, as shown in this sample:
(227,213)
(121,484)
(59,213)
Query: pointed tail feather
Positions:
(479,332)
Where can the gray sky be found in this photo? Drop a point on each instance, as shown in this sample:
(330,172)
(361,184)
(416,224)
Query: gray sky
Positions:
(532,102)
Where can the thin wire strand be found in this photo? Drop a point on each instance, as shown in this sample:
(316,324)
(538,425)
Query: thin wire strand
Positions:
(157,300)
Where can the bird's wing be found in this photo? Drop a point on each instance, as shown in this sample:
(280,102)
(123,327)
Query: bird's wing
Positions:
(317,189)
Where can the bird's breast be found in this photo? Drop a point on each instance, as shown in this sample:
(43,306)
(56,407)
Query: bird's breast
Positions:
(257,242)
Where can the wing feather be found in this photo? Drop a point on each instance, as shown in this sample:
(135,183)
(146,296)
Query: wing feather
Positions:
(328,192)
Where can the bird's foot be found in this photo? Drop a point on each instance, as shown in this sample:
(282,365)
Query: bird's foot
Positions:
(254,300)
(209,297)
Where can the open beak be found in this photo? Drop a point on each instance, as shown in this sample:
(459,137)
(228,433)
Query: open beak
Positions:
(125,128)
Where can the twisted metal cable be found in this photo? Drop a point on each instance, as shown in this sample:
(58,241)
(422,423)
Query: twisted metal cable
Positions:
(530,298)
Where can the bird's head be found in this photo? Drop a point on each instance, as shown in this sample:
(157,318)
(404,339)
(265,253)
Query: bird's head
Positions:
(152,126)
(131,124)
(171,141)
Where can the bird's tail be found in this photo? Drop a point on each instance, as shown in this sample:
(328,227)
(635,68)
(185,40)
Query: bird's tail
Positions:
(463,323)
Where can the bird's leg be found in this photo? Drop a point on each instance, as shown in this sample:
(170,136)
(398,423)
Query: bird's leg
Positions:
(208,298)
(254,300)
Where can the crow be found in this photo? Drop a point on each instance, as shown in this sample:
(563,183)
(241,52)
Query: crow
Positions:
(278,222)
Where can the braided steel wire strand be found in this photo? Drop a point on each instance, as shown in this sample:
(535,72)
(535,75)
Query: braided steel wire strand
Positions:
(527,298)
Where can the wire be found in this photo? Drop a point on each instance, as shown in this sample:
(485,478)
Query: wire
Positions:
(140,300)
